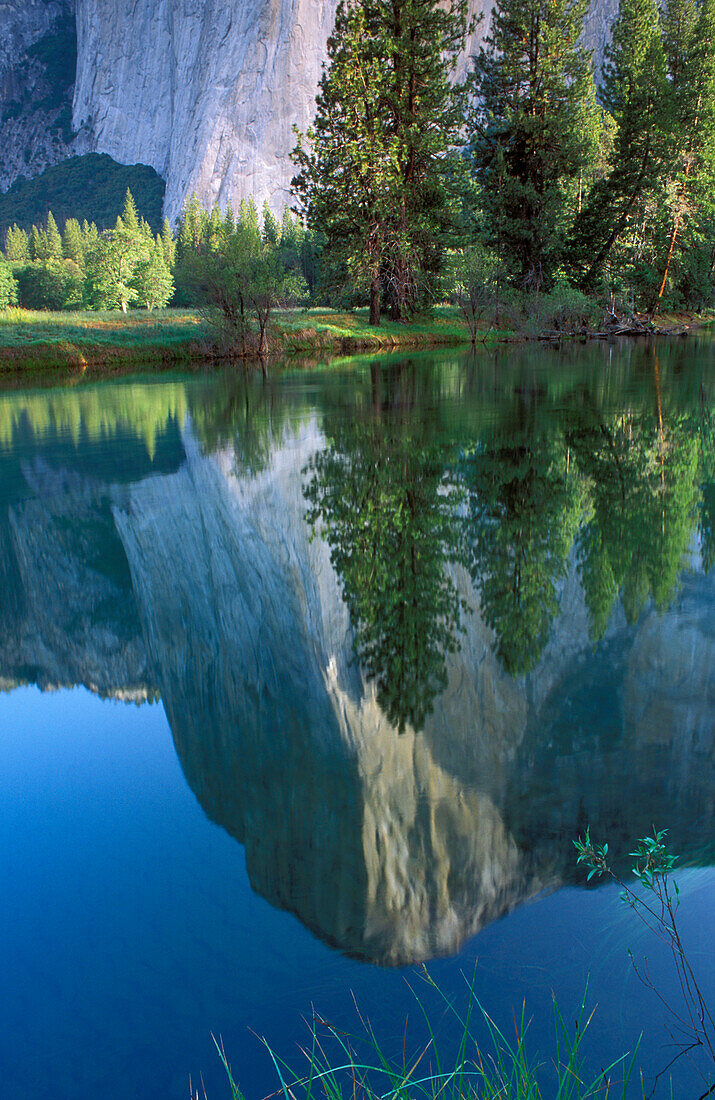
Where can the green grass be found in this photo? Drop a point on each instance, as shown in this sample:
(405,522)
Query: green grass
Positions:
(21,328)
(303,328)
(41,341)
(341,1067)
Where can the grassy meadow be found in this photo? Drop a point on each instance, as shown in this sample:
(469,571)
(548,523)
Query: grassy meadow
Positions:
(105,342)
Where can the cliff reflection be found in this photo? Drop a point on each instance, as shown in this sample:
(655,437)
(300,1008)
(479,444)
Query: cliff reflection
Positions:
(380,630)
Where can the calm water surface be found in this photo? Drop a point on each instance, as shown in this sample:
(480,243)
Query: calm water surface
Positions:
(308,682)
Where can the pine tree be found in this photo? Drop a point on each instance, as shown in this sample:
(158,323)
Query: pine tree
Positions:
(689,46)
(535,129)
(129,216)
(271,228)
(229,222)
(249,224)
(168,244)
(633,92)
(54,239)
(72,243)
(38,244)
(8,286)
(214,229)
(17,245)
(373,172)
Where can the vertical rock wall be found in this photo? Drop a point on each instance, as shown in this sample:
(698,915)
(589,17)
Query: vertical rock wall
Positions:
(206,92)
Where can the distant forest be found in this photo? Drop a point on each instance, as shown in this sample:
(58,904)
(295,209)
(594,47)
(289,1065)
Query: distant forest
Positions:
(91,188)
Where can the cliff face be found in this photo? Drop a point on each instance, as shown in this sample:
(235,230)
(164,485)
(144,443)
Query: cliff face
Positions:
(205,92)
(37,69)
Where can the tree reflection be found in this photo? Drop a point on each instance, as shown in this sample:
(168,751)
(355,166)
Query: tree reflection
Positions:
(383,496)
(642,468)
(524,507)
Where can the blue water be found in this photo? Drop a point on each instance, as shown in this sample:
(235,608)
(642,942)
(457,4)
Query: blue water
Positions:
(130,930)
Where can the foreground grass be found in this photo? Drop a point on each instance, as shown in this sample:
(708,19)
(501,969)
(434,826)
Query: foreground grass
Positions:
(338,1066)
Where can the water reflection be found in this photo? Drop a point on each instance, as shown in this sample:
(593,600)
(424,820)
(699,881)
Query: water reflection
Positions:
(412,629)
(384,495)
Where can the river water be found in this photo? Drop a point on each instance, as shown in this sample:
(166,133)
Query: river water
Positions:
(310,682)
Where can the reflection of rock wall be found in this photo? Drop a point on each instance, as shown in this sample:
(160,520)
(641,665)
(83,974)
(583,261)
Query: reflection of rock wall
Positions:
(67,611)
(394,847)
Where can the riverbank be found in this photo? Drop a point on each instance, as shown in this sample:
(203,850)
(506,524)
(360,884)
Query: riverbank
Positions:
(107,343)
(101,344)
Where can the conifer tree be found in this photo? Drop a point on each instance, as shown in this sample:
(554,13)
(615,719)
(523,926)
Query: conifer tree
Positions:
(54,239)
(633,92)
(373,172)
(17,245)
(129,216)
(689,45)
(168,244)
(8,286)
(38,244)
(214,229)
(72,244)
(535,128)
(229,222)
(271,228)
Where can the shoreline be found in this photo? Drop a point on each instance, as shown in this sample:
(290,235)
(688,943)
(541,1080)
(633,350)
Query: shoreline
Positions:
(349,335)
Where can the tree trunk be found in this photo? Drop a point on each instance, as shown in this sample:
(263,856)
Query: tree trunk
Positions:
(263,342)
(375,293)
(673,238)
(620,224)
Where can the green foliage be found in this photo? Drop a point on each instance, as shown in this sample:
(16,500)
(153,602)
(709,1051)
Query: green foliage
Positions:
(50,284)
(229,265)
(564,310)
(534,128)
(340,1064)
(53,239)
(472,282)
(152,277)
(657,906)
(643,229)
(375,171)
(382,497)
(17,245)
(525,505)
(91,187)
(8,286)
(643,488)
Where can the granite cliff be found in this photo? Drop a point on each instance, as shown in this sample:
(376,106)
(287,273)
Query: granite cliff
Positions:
(204,92)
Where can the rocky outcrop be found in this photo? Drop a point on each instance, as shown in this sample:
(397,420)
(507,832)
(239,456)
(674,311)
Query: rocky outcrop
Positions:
(37,70)
(206,93)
